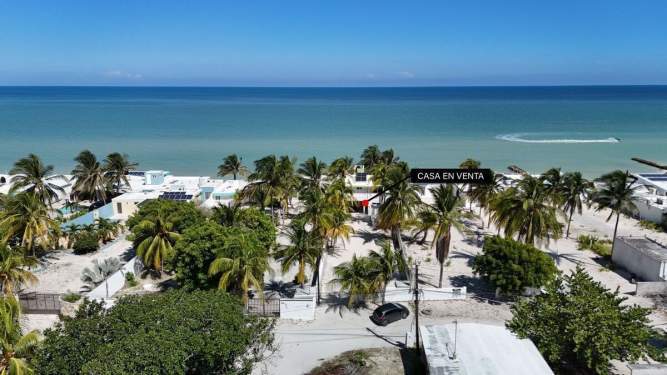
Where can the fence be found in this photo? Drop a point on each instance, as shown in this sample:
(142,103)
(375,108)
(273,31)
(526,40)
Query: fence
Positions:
(265,307)
(115,282)
(40,303)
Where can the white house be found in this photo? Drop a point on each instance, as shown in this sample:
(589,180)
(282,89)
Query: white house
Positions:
(643,256)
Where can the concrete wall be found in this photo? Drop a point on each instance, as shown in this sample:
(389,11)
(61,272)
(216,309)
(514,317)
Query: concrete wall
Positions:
(114,283)
(648,369)
(394,294)
(298,308)
(127,208)
(636,262)
(651,288)
(649,212)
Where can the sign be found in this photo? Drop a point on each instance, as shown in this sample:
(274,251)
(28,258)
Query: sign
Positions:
(364,203)
(450,176)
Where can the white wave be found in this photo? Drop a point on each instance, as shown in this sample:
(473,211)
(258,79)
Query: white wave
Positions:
(520,137)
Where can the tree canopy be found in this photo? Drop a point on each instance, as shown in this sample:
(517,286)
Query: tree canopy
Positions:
(177,332)
(578,323)
(181,214)
(512,266)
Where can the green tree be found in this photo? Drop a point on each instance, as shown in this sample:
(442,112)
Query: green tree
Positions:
(385,263)
(617,195)
(447,208)
(241,264)
(470,164)
(195,251)
(579,324)
(304,249)
(484,194)
(553,181)
(371,156)
(17,348)
(107,229)
(176,332)
(232,164)
(526,211)
(153,240)
(358,278)
(90,181)
(575,191)
(400,206)
(312,171)
(28,220)
(511,266)
(341,167)
(31,175)
(116,168)
(14,269)
(181,214)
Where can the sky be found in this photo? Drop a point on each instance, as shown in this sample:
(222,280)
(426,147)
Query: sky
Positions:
(332,43)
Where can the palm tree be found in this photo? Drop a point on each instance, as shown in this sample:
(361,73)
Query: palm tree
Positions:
(232,164)
(304,249)
(99,273)
(422,223)
(616,194)
(358,277)
(17,347)
(483,194)
(241,264)
(470,164)
(117,166)
(400,206)
(526,211)
(107,229)
(89,176)
(338,228)
(575,189)
(25,215)
(154,241)
(14,271)
(226,215)
(311,172)
(341,167)
(386,264)
(371,156)
(447,208)
(340,195)
(553,180)
(31,175)
(72,231)
(273,182)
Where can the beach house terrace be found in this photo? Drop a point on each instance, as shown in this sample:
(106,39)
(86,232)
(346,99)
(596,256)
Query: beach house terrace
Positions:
(651,197)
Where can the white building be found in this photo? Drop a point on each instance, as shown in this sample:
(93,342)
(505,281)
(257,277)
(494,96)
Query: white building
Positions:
(651,197)
(473,348)
(642,256)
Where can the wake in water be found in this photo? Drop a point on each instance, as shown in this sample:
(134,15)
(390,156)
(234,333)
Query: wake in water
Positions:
(520,137)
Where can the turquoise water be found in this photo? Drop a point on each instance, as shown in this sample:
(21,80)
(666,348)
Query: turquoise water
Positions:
(189,130)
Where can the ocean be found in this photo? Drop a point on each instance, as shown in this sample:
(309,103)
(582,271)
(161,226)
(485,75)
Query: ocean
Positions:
(189,130)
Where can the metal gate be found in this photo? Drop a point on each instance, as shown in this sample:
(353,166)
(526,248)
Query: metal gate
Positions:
(266,307)
(40,303)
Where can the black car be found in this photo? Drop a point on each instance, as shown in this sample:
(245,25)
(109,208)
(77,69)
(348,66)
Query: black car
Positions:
(388,313)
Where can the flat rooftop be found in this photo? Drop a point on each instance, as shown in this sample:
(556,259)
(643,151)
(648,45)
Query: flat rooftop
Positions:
(480,349)
(647,247)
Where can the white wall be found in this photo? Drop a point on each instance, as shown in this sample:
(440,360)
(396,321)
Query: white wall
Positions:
(649,212)
(394,294)
(636,262)
(114,283)
(298,308)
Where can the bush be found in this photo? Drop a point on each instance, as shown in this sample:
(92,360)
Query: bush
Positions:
(182,214)
(579,324)
(260,223)
(646,224)
(177,332)
(86,242)
(71,297)
(593,243)
(130,281)
(512,266)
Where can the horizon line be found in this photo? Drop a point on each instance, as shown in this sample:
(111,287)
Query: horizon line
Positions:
(333,86)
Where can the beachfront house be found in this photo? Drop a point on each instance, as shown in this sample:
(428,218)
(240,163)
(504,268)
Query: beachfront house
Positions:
(651,197)
(644,257)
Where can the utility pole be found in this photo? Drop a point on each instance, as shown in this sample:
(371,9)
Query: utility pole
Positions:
(416,293)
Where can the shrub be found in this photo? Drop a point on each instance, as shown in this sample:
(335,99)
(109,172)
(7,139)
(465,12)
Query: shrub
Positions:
(579,324)
(130,280)
(100,271)
(599,246)
(177,332)
(260,223)
(512,266)
(646,224)
(86,242)
(182,214)
(71,297)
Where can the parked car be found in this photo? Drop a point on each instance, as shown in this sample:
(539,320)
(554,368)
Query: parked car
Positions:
(389,313)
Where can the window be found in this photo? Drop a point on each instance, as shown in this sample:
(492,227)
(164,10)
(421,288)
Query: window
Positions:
(119,207)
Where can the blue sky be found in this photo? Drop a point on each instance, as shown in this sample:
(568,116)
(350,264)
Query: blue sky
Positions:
(332,43)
